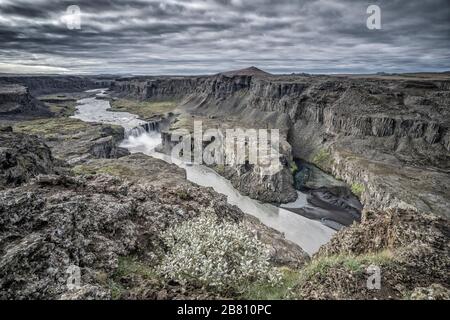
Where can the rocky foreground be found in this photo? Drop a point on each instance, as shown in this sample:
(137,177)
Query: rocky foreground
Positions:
(54,218)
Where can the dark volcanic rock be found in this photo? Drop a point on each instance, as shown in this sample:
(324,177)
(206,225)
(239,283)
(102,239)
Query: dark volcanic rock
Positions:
(39,85)
(377,133)
(411,250)
(75,141)
(57,225)
(17,103)
(58,222)
(22,157)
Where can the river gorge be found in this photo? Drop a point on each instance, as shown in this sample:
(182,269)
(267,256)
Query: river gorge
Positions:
(308,234)
(88,182)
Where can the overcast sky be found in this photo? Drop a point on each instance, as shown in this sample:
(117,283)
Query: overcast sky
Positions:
(208,36)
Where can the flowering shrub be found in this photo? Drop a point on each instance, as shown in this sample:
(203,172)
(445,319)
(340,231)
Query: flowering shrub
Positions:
(222,256)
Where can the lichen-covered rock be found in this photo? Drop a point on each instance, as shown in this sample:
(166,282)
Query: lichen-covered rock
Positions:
(409,249)
(22,157)
(433,292)
(93,221)
(16,102)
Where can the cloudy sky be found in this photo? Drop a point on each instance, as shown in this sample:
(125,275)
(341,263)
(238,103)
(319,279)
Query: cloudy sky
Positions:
(208,36)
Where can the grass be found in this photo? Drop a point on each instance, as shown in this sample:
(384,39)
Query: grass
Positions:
(323,159)
(49,128)
(129,266)
(144,109)
(60,105)
(183,195)
(357,189)
(220,169)
(265,291)
(320,266)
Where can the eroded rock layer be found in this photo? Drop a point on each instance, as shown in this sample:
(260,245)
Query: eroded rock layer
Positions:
(386,136)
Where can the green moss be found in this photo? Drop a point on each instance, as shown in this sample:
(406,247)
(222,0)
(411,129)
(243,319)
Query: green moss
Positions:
(132,266)
(111,169)
(322,265)
(183,195)
(357,189)
(83,170)
(63,110)
(323,159)
(50,127)
(294,168)
(59,104)
(129,267)
(220,168)
(145,109)
(265,291)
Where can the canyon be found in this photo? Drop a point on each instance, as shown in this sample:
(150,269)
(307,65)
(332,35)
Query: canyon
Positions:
(387,136)
(368,153)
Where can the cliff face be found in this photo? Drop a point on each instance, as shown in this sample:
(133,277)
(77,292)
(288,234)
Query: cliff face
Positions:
(380,134)
(22,157)
(16,101)
(39,85)
(410,250)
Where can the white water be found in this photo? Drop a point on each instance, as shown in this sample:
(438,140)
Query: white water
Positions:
(308,234)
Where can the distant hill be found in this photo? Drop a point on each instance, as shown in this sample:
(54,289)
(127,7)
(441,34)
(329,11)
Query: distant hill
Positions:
(252,71)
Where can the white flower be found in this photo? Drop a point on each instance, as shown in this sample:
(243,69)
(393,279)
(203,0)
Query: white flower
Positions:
(219,255)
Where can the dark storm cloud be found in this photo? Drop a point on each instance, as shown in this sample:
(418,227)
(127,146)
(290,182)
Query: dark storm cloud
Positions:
(207,36)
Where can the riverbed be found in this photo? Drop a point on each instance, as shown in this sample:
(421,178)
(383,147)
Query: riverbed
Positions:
(308,234)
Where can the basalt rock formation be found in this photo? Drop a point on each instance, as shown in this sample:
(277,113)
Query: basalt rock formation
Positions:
(99,224)
(386,136)
(39,85)
(74,141)
(16,102)
(22,157)
(410,252)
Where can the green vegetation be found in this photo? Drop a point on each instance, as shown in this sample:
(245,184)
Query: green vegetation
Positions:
(60,105)
(51,127)
(129,267)
(145,109)
(183,195)
(357,189)
(320,266)
(266,291)
(220,168)
(294,168)
(323,159)
(111,169)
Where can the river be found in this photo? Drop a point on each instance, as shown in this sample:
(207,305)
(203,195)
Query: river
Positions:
(308,234)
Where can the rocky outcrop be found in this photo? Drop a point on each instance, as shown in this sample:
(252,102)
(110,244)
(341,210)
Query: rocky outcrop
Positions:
(75,141)
(275,188)
(22,157)
(39,85)
(17,103)
(377,124)
(410,250)
(76,237)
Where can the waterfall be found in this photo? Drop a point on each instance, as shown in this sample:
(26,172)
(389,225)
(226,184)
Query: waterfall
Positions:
(148,127)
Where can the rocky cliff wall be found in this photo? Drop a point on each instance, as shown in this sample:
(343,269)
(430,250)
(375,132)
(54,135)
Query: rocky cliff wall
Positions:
(39,85)
(16,101)
(394,122)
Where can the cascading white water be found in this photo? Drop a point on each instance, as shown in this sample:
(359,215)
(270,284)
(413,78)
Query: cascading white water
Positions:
(308,234)
(145,142)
